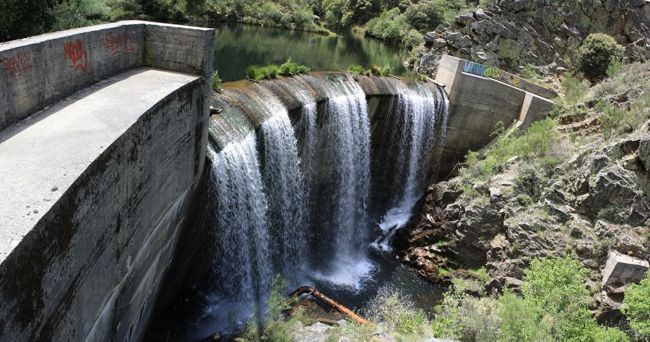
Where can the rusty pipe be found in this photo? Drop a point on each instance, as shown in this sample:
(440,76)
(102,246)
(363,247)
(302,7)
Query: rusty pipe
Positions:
(330,302)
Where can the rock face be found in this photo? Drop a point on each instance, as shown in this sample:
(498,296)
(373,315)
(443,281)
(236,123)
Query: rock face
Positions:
(513,33)
(596,201)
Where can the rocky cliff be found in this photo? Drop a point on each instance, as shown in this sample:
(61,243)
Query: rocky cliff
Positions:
(592,200)
(513,33)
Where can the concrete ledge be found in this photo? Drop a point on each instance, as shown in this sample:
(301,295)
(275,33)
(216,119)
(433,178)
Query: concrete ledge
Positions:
(96,192)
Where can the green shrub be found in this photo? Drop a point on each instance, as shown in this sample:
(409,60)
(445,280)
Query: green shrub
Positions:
(553,308)
(217,84)
(636,306)
(466,318)
(425,15)
(356,69)
(291,68)
(596,54)
(412,39)
(533,144)
(391,25)
(397,314)
(575,88)
(375,70)
(288,68)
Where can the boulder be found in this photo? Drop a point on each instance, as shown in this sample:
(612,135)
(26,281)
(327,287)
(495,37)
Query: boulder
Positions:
(622,269)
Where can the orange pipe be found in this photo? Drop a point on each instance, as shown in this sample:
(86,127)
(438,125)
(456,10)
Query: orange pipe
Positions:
(332,303)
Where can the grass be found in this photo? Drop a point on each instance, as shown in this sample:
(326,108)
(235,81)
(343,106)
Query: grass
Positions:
(553,307)
(375,70)
(271,71)
(535,143)
(217,84)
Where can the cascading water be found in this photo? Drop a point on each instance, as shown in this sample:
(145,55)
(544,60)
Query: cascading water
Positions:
(341,183)
(415,125)
(292,196)
(242,237)
(285,191)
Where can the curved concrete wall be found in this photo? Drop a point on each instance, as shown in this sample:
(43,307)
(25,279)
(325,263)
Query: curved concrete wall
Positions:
(38,71)
(96,187)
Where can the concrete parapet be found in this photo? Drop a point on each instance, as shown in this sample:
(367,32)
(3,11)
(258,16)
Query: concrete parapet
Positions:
(38,71)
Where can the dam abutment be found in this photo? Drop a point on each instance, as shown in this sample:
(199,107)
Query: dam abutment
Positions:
(99,162)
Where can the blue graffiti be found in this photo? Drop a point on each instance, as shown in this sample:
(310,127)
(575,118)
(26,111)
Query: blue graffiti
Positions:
(474,68)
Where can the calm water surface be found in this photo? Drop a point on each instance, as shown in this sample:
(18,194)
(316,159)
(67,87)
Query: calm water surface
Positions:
(239,46)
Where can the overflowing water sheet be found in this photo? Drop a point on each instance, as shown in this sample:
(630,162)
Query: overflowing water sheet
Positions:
(416,129)
(293,196)
(240,221)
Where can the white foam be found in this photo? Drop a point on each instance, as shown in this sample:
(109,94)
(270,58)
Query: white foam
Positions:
(348,274)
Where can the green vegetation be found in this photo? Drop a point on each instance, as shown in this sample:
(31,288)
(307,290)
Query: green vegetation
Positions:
(291,68)
(375,70)
(216,82)
(277,327)
(397,21)
(535,143)
(553,307)
(636,306)
(575,87)
(402,24)
(596,54)
(288,68)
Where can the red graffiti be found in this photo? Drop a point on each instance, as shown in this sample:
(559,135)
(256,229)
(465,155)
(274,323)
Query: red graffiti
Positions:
(17,65)
(118,43)
(76,53)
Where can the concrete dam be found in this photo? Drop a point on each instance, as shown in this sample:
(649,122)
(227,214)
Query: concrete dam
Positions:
(111,138)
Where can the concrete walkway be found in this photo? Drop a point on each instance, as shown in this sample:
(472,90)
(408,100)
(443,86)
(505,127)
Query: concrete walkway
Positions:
(41,156)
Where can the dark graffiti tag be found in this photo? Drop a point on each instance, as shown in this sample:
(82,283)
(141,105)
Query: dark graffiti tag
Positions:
(17,65)
(117,43)
(76,53)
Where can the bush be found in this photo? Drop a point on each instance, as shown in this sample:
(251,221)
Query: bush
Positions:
(533,144)
(288,68)
(291,68)
(575,88)
(375,70)
(412,39)
(636,306)
(397,313)
(216,82)
(596,55)
(553,308)
(391,25)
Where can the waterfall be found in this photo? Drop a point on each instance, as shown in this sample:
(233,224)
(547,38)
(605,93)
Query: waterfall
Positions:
(412,136)
(341,183)
(242,236)
(291,190)
(285,191)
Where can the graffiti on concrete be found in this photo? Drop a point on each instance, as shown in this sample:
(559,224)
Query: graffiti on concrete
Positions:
(482,70)
(76,53)
(118,43)
(490,72)
(17,65)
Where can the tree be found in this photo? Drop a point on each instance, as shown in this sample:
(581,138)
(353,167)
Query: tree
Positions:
(23,18)
(596,54)
(636,306)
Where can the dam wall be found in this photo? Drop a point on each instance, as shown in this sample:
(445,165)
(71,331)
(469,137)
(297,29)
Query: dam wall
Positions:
(480,98)
(103,147)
